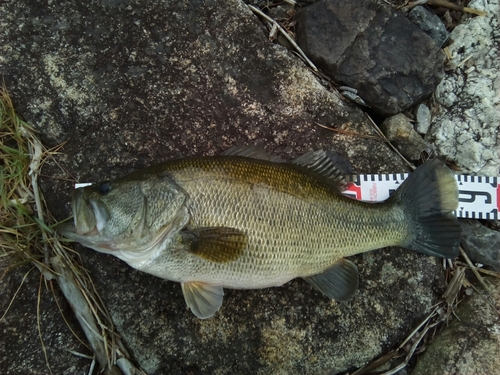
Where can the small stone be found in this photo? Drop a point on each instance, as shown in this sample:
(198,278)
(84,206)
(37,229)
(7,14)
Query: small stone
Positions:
(372,48)
(399,130)
(430,24)
(423,116)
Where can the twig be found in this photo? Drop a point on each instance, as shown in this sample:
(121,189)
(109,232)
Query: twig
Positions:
(354,134)
(415,331)
(82,311)
(445,4)
(482,270)
(78,354)
(379,132)
(65,320)
(15,294)
(474,270)
(39,325)
(285,34)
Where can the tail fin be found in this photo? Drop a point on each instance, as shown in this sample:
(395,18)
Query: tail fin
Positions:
(428,196)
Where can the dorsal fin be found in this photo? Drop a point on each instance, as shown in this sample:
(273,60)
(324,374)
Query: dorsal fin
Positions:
(324,164)
(252,152)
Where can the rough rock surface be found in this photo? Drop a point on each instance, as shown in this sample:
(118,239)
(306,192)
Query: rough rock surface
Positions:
(127,84)
(469,345)
(468,99)
(481,243)
(372,48)
(430,23)
(21,351)
(399,130)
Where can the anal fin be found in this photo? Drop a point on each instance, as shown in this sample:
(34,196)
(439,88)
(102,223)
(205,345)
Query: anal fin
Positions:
(203,299)
(339,282)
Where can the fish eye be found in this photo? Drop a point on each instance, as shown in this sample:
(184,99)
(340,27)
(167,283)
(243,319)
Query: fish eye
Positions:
(105,188)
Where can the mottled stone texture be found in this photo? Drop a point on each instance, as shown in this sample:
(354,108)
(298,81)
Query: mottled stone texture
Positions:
(399,130)
(469,345)
(372,48)
(32,314)
(481,243)
(430,23)
(130,83)
(466,115)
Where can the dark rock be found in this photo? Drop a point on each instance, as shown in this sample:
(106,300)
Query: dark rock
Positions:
(469,345)
(430,23)
(481,243)
(34,313)
(372,48)
(128,84)
(399,130)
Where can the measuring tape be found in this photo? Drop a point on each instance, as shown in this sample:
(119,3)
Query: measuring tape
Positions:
(479,197)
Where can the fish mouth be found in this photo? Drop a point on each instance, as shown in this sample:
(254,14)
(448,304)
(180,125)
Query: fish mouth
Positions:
(90,239)
(89,215)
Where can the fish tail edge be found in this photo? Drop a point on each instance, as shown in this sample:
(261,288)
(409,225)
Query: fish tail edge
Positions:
(429,196)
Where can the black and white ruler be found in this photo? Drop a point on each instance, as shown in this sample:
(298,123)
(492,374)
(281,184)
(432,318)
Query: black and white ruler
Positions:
(479,197)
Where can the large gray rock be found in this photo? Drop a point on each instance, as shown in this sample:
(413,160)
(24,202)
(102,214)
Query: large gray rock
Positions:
(127,84)
(21,327)
(467,112)
(469,345)
(372,48)
(481,243)
(430,23)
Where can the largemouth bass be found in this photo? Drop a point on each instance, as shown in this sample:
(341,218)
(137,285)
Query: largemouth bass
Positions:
(245,220)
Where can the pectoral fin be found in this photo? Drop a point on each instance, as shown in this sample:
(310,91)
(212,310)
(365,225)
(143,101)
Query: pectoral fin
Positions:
(203,299)
(215,244)
(339,282)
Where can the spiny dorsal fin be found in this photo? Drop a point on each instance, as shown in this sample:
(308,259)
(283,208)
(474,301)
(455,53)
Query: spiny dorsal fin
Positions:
(252,152)
(215,244)
(339,282)
(325,164)
(203,299)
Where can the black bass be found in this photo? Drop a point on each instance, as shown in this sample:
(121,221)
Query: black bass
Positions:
(245,220)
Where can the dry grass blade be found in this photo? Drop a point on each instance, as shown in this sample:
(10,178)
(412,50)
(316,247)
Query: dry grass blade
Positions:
(40,335)
(25,236)
(445,4)
(382,135)
(474,270)
(482,270)
(15,294)
(285,34)
(353,134)
(415,338)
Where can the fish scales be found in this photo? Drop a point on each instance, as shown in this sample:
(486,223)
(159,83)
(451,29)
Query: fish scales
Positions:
(297,224)
(246,220)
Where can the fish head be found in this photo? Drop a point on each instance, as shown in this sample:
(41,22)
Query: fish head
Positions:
(129,215)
